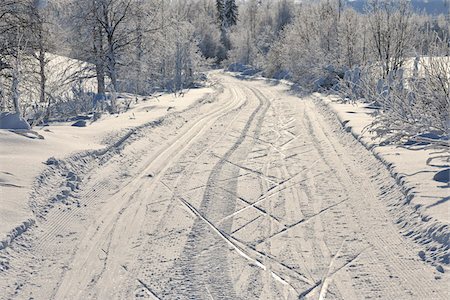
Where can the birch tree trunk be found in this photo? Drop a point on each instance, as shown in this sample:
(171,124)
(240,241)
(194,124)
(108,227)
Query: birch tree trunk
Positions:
(15,94)
(2,96)
(139,49)
(112,73)
(99,63)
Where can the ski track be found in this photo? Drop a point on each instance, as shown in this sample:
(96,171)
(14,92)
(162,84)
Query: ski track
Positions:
(256,195)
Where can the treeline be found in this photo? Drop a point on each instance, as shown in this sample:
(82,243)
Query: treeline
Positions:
(389,55)
(136,46)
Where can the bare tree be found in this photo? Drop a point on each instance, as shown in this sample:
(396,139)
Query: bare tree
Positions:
(98,54)
(16,72)
(349,38)
(14,32)
(111,16)
(392,32)
(40,44)
(285,14)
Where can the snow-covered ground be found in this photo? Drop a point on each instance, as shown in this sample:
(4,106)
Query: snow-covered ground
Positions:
(22,158)
(410,166)
(423,212)
(252,193)
(426,192)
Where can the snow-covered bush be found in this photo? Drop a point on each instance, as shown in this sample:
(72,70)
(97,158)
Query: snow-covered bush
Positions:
(10,120)
(318,46)
(411,102)
(174,58)
(257,31)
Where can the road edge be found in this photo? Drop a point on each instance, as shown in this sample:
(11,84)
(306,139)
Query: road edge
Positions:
(414,224)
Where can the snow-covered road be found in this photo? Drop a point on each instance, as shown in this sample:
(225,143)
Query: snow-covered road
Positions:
(256,194)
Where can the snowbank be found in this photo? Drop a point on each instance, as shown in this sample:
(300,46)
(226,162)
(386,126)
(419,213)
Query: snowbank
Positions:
(23,159)
(410,166)
(11,120)
(425,211)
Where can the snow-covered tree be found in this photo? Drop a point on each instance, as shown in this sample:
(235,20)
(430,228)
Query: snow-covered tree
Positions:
(350,48)
(391,32)
(230,12)
(207,33)
(18,30)
(227,13)
(227,16)
(285,14)
(255,33)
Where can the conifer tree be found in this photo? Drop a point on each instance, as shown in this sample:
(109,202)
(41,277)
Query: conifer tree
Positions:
(227,12)
(231,12)
(220,6)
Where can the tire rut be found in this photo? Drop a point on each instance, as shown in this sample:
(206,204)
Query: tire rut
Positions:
(204,268)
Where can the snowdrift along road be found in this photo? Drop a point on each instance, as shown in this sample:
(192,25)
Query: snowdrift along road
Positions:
(254,195)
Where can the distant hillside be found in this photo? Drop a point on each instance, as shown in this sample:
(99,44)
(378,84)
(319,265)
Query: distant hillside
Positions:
(434,7)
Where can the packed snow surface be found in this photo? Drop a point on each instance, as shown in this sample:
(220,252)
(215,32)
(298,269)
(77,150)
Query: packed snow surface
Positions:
(22,159)
(242,191)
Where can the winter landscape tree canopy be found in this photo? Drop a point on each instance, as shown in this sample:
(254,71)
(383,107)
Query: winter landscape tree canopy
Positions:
(224,149)
(145,46)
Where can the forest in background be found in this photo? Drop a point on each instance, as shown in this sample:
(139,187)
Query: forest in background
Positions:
(388,54)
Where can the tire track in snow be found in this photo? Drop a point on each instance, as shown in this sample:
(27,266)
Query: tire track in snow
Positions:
(49,243)
(215,204)
(381,236)
(164,223)
(158,166)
